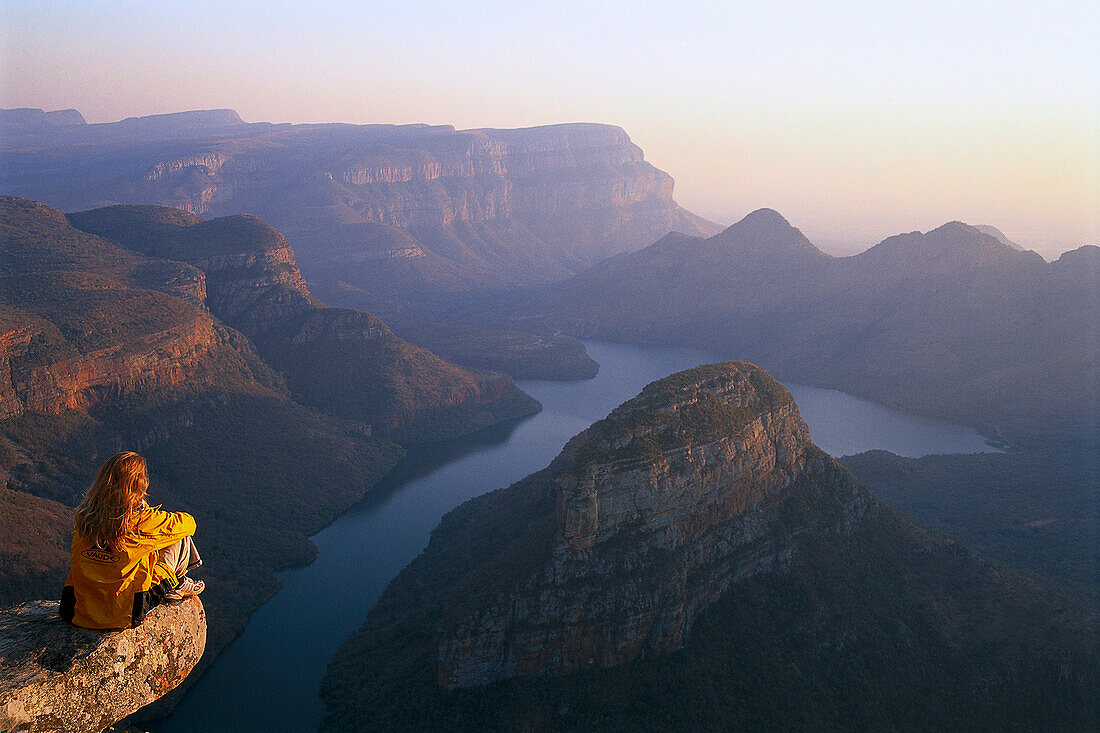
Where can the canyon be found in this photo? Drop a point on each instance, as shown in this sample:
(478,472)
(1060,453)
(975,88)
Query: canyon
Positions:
(694,541)
(342,361)
(199,345)
(695,547)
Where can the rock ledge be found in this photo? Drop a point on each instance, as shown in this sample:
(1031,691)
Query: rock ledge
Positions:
(57,677)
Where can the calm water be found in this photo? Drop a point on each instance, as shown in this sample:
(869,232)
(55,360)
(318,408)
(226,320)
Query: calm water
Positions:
(268,679)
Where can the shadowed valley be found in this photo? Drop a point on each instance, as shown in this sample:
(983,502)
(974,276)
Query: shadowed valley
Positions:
(693,560)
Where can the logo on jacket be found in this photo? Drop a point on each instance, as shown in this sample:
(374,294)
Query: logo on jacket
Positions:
(100,555)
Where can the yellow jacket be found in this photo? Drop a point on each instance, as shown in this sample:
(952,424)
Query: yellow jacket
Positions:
(114,590)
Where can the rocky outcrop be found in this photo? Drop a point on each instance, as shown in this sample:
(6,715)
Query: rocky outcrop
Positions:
(693,561)
(32,379)
(57,677)
(83,321)
(342,361)
(658,509)
(252,279)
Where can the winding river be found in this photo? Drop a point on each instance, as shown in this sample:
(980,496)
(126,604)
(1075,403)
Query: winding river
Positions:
(268,678)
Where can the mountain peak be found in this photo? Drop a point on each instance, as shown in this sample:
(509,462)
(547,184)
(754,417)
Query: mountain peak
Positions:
(957,236)
(999,236)
(766,216)
(760,222)
(951,245)
(766,231)
(694,406)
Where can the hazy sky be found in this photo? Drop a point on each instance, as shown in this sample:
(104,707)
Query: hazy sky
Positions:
(856,120)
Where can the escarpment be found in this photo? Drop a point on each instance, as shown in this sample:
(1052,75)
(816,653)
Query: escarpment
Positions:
(83,322)
(57,677)
(43,374)
(379,209)
(697,547)
(345,362)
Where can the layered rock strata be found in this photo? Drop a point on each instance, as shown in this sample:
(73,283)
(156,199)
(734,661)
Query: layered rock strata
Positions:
(657,510)
(694,561)
(342,361)
(412,207)
(83,322)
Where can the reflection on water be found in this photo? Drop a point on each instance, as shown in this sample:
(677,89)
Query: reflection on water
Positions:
(268,679)
(842,425)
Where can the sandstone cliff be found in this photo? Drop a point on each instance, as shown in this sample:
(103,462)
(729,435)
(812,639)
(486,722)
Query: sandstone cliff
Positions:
(649,505)
(345,362)
(83,322)
(56,677)
(376,207)
(693,560)
(105,349)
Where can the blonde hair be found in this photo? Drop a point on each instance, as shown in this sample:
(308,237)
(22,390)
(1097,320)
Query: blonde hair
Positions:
(117,494)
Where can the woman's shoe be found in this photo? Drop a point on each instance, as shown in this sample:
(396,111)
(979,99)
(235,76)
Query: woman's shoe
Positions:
(185,589)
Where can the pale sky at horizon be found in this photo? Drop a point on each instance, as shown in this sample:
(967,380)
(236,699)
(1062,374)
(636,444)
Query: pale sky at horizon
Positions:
(855,120)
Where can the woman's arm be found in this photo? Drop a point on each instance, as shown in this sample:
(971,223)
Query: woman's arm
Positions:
(162,528)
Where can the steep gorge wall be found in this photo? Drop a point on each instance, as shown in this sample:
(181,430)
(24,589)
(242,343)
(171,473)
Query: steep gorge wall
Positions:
(491,207)
(658,509)
(692,562)
(345,362)
(44,379)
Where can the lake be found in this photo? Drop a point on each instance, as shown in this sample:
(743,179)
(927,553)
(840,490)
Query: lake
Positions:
(269,677)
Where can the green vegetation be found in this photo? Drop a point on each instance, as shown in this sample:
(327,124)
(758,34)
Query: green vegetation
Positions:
(519,355)
(1034,507)
(224,440)
(259,473)
(34,547)
(343,362)
(660,418)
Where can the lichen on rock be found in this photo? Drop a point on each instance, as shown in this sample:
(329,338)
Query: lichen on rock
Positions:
(58,677)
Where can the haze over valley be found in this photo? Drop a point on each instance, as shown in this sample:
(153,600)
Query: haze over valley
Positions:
(488,423)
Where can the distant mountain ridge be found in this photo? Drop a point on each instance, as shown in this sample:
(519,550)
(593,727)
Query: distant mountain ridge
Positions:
(998,235)
(25,119)
(694,562)
(950,322)
(375,212)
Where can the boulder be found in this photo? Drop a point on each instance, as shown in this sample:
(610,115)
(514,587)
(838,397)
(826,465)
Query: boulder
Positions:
(57,677)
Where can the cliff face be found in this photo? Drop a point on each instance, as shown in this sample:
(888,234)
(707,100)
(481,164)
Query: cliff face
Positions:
(657,510)
(427,208)
(345,362)
(56,677)
(105,348)
(697,547)
(252,278)
(32,378)
(83,322)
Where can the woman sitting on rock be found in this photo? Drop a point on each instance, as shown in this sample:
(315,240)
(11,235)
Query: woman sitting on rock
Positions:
(127,556)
